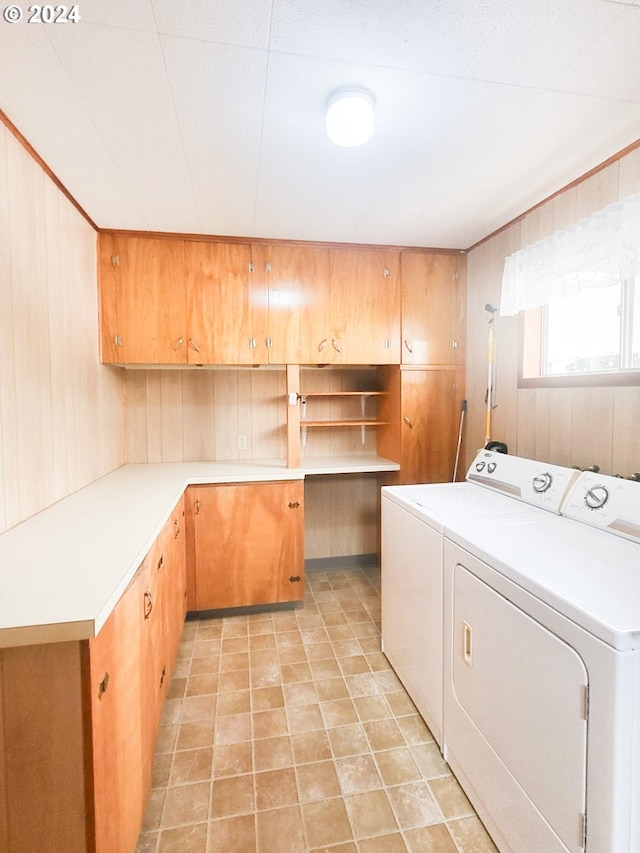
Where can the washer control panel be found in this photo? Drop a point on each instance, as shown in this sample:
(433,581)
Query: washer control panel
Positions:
(610,503)
(538,483)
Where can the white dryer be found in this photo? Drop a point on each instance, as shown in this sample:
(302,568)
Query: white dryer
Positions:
(414,518)
(542,671)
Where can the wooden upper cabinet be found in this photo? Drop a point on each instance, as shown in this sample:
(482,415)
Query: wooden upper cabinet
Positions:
(433,300)
(296,279)
(226,305)
(143,304)
(365,306)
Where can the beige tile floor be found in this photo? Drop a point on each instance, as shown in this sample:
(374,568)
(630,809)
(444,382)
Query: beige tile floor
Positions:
(288,731)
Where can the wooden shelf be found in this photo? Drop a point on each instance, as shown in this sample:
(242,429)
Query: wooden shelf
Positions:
(344,394)
(348,422)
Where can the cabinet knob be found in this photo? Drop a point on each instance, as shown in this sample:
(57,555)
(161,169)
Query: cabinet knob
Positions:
(197,507)
(194,345)
(408,345)
(336,345)
(179,343)
(117,340)
(102,687)
(408,421)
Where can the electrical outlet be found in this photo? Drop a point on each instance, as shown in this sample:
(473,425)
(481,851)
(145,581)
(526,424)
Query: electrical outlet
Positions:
(242,442)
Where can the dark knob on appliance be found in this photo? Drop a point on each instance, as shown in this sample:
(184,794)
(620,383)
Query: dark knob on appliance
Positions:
(491,467)
(542,482)
(596,497)
(480,466)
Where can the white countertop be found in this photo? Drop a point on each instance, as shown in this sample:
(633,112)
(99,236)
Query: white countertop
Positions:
(63,571)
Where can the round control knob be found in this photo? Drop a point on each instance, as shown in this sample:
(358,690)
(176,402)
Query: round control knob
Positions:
(596,497)
(491,467)
(480,466)
(542,482)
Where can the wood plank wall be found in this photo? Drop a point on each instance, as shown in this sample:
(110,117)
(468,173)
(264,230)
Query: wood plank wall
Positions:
(61,412)
(566,426)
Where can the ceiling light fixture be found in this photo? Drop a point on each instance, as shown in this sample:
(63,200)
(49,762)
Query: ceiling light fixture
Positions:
(350,117)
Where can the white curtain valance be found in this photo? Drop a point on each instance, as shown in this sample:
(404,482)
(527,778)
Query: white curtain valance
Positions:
(595,252)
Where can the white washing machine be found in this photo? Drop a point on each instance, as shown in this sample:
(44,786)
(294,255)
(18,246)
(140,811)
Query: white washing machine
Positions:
(542,671)
(413,523)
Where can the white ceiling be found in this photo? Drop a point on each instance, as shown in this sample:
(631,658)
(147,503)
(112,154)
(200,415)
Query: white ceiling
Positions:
(207,116)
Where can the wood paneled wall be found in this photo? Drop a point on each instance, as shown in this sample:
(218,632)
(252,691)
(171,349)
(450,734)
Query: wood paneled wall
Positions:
(566,426)
(61,412)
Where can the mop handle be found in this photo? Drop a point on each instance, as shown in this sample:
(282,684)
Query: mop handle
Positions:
(489,385)
(463,409)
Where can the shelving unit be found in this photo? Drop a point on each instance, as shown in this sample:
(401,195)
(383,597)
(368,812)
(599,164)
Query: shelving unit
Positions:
(363,421)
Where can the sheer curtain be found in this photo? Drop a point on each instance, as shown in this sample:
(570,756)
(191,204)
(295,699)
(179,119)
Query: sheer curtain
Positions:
(595,252)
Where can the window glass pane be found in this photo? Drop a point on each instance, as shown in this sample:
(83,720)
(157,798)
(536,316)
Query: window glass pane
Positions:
(583,333)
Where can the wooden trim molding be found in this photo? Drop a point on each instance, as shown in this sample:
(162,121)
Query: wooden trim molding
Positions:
(34,154)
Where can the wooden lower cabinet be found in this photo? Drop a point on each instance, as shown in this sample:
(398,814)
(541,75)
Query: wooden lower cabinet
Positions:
(79,719)
(245,543)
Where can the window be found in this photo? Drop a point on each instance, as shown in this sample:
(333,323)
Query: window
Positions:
(592,336)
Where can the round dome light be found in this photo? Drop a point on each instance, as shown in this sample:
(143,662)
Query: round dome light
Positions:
(350,117)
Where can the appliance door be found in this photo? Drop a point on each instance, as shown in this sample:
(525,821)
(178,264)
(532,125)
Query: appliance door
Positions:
(412,608)
(515,717)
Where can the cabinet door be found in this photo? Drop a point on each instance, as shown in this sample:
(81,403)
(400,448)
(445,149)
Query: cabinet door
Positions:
(153,658)
(226,310)
(174,587)
(297,281)
(433,294)
(116,726)
(365,302)
(145,277)
(248,543)
(430,404)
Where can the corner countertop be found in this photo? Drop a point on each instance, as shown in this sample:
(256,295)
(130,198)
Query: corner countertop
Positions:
(63,571)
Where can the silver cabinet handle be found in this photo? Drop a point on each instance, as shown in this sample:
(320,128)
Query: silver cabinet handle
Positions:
(179,343)
(408,345)
(322,344)
(194,345)
(336,345)
(408,421)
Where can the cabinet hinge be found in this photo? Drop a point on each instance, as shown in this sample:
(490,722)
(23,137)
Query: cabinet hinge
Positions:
(295,579)
(585,702)
(250,266)
(115,260)
(386,272)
